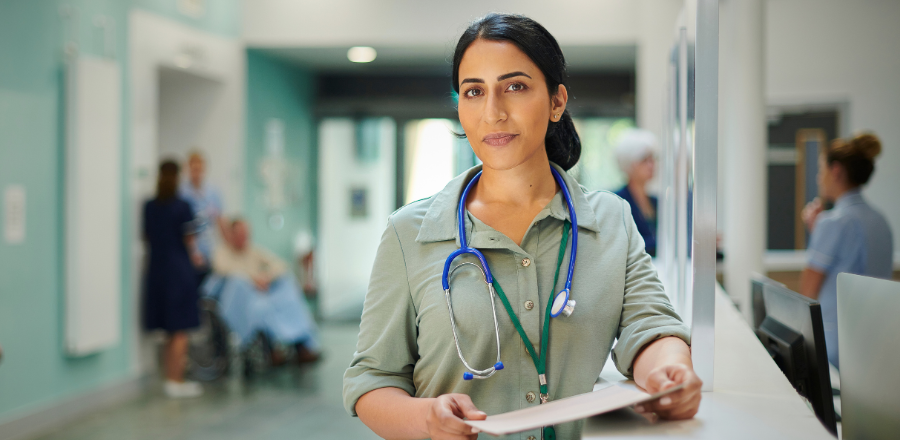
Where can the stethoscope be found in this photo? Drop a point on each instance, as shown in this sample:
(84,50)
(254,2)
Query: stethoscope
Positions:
(562,305)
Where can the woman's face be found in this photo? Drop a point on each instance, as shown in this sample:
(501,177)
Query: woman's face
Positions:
(828,179)
(643,170)
(504,105)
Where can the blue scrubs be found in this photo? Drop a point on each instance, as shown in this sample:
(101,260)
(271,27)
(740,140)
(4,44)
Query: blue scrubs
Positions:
(207,205)
(852,237)
(646,227)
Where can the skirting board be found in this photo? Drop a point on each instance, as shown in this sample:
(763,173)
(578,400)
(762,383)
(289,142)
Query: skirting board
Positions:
(72,408)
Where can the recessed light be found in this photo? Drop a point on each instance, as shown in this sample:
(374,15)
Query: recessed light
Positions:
(361,54)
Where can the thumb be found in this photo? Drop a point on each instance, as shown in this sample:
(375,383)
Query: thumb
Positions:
(468,409)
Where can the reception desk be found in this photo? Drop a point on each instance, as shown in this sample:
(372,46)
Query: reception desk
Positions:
(751,398)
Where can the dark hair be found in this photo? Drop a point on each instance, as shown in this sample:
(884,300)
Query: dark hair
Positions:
(857,156)
(167,182)
(562,142)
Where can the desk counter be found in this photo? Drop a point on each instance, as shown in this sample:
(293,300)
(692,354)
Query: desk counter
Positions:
(751,398)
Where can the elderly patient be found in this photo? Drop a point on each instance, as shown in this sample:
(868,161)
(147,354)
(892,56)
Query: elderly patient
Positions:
(260,295)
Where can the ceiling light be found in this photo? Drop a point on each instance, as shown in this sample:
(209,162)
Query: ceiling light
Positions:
(361,54)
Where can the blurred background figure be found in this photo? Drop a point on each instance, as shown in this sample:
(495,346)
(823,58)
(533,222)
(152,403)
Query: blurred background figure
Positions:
(852,237)
(260,295)
(171,284)
(636,154)
(206,203)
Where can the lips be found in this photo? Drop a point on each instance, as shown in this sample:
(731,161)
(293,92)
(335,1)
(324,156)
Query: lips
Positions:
(499,139)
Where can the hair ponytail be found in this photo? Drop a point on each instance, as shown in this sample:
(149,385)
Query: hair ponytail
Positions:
(562,141)
(857,156)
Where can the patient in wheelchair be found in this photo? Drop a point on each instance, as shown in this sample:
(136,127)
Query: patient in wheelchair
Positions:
(260,295)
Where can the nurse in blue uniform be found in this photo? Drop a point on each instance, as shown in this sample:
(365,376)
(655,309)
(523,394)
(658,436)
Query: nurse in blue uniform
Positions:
(171,289)
(852,237)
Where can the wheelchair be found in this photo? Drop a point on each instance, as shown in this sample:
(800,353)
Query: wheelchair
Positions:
(215,352)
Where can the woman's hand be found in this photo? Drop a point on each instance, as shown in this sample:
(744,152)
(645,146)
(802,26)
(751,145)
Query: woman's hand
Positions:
(811,212)
(445,417)
(679,405)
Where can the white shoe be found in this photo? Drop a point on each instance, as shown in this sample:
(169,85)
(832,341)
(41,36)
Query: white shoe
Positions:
(181,390)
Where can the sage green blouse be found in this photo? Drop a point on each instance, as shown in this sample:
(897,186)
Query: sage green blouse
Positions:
(405,338)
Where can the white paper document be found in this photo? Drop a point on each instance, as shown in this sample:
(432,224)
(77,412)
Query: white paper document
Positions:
(566,410)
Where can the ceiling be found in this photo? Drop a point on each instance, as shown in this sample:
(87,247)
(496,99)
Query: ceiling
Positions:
(434,59)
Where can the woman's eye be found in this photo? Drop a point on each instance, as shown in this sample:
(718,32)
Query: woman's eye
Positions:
(473,92)
(516,87)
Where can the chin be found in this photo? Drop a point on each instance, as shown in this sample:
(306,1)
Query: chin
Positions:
(504,160)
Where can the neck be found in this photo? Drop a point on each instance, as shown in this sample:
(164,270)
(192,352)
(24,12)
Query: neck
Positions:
(526,184)
(637,189)
(841,192)
(196,183)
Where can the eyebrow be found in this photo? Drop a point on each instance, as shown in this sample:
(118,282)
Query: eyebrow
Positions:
(499,78)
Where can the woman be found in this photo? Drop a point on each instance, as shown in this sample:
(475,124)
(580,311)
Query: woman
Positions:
(171,295)
(406,379)
(852,237)
(636,156)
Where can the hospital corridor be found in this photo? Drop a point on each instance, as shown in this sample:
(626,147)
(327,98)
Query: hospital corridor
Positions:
(449,220)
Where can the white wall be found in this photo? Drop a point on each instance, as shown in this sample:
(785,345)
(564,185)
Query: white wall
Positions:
(832,51)
(347,245)
(280,23)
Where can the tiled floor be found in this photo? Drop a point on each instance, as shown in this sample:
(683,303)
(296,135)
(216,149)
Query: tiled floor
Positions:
(287,403)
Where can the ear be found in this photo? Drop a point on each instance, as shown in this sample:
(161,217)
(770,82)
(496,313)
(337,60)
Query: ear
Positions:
(558,103)
(837,171)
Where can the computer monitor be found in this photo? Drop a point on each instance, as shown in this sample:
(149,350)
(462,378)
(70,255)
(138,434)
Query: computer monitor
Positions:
(869,344)
(792,332)
(757,305)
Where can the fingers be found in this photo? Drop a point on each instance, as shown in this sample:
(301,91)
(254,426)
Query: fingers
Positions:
(445,421)
(468,408)
(681,404)
(658,380)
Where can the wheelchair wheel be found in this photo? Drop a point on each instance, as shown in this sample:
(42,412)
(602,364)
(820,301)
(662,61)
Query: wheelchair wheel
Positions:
(257,356)
(208,354)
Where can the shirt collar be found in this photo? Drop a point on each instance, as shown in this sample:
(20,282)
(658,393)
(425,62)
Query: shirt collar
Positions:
(439,223)
(852,197)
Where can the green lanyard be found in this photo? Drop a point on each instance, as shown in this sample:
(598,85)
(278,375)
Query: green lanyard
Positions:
(540,362)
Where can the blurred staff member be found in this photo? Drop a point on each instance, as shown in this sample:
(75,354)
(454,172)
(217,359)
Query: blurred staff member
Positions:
(852,237)
(171,289)
(636,154)
(207,205)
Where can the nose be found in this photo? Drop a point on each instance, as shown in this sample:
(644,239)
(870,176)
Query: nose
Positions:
(494,109)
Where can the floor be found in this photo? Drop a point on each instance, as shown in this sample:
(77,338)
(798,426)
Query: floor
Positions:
(289,402)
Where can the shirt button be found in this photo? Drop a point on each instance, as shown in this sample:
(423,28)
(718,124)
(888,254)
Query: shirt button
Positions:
(531,437)
(526,262)
(530,396)
(529,305)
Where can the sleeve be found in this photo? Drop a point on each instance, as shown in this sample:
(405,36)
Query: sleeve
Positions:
(824,244)
(387,349)
(647,314)
(187,219)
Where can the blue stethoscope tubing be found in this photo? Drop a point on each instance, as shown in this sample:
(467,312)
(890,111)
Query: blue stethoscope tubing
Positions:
(561,303)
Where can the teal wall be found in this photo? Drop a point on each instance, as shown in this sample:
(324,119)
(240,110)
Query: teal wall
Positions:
(276,89)
(35,370)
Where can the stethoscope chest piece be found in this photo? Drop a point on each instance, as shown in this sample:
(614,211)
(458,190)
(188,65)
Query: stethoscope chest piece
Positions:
(562,305)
